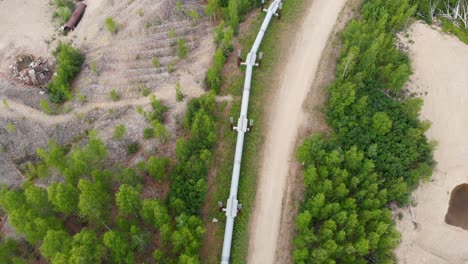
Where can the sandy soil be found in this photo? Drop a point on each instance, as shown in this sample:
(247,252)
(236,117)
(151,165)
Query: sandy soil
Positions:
(284,121)
(440,65)
(26,31)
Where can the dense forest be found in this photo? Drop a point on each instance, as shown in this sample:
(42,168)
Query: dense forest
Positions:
(377,152)
(95,211)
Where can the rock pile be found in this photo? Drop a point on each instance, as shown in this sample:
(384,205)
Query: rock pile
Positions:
(31,71)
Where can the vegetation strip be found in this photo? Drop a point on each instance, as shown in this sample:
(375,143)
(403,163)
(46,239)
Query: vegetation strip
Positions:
(376,154)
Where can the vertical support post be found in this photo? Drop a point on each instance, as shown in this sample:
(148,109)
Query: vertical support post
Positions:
(260,58)
(239,58)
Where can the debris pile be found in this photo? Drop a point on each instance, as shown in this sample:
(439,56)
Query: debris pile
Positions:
(31,71)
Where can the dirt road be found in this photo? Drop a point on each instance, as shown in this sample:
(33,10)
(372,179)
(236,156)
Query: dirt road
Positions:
(284,120)
(440,64)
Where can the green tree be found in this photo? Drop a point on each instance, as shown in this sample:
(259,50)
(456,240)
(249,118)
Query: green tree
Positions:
(119,246)
(119,132)
(381,123)
(64,197)
(182,48)
(234,15)
(128,200)
(157,167)
(94,201)
(56,242)
(86,248)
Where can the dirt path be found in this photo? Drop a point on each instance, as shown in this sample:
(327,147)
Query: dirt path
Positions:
(440,64)
(284,120)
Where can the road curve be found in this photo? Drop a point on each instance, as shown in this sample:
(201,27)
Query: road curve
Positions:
(284,120)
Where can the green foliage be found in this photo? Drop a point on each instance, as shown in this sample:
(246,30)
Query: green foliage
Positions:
(343,218)
(148,133)
(64,9)
(450,28)
(182,48)
(56,243)
(128,200)
(376,154)
(213,76)
(133,147)
(188,186)
(114,95)
(11,127)
(193,14)
(179,94)
(157,167)
(160,131)
(86,248)
(64,197)
(179,6)
(94,199)
(140,12)
(111,25)
(234,15)
(156,63)
(69,61)
(171,67)
(158,110)
(119,132)
(94,68)
(154,213)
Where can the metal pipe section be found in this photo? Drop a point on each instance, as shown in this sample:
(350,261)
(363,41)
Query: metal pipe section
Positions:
(232,204)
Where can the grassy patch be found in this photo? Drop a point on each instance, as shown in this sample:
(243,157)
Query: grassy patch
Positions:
(450,28)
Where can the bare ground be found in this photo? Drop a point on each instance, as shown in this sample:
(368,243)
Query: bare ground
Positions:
(440,64)
(284,121)
(124,63)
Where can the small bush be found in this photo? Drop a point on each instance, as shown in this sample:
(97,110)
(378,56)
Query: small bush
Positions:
(157,167)
(179,94)
(182,48)
(148,133)
(119,132)
(179,6)
(69,61)
(193,14)
(172,34)
(94,68)
(171,67)
(111,25)
(158,110)
(146,91)
(160,132)
(114,95)
(140,12)
(133,147)
(156,63)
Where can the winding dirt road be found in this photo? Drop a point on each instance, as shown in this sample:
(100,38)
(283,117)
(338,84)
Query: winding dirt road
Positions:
(284,120)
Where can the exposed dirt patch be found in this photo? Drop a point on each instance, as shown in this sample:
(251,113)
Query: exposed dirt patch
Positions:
(284,120)
(440,64)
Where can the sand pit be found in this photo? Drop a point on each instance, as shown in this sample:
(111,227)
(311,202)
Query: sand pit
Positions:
(440,64)
(30,35)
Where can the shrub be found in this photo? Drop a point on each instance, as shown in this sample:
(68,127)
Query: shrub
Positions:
(158,110)
(193,14)
(94,68)
(133,147)
(182,48)
(145,91)
(140,12)
(179,94)
(119,132)
(114,95)
(69,61)
(156,63)
(148,133)
(171,67)
(160,131)
(111,25)
(157,167)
